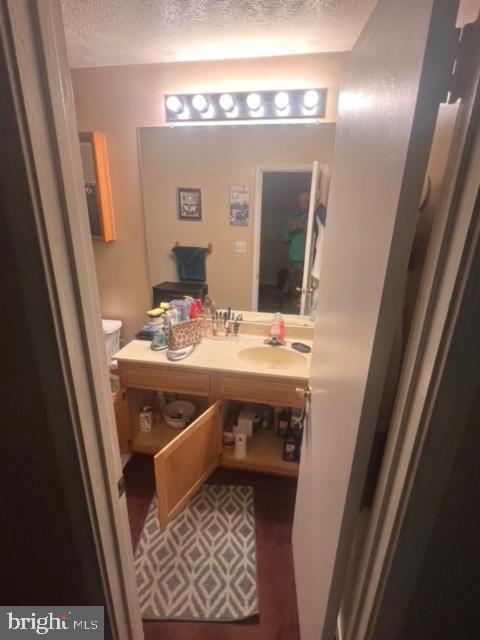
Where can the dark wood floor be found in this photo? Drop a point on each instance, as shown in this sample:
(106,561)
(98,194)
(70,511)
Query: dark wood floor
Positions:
(274,506)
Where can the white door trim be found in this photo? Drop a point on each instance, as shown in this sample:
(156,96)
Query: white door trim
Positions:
(260,169)
(306,280)
(35,49)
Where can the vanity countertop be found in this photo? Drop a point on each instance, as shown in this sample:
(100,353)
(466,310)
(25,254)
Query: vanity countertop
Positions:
(224,356)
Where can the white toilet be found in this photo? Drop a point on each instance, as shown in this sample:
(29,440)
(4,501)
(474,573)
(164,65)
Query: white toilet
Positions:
(111,331)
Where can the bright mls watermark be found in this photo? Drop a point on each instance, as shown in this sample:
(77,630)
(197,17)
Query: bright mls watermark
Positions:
(56,622)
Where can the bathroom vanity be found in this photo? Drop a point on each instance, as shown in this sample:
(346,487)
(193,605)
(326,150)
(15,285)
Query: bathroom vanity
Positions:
(215,374)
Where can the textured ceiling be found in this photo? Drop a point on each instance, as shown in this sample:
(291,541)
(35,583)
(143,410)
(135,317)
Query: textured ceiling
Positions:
(111,32)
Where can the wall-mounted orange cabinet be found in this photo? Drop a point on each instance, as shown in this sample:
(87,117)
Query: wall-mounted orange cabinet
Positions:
(93,148)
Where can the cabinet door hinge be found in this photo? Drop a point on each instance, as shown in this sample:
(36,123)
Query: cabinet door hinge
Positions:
(465,47)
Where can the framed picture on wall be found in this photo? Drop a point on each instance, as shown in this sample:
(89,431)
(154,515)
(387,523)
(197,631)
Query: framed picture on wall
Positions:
(189,204)
(239,204)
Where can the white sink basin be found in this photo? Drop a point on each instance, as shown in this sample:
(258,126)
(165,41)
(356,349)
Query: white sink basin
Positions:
(272,357)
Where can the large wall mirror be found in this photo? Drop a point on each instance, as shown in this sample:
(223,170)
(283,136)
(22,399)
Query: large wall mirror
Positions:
(93,150)
(246,182)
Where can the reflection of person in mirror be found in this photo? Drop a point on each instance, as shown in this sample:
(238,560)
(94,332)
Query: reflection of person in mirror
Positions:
(294,235)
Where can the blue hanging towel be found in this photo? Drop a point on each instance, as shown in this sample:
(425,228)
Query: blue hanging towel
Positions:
(191,263)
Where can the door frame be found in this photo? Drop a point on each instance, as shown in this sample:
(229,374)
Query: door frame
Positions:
(260,169)
(40,90)
(45,112)
(438,384)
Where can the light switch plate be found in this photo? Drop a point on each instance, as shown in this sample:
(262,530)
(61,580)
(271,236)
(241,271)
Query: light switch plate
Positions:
(240,246)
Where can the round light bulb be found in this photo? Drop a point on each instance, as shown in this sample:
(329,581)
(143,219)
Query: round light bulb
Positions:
(254,101)
(227,102)
(310,99)
(174,104)
(282,100)
(200,103)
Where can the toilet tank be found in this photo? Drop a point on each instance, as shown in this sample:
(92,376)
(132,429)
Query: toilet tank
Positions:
(111,331)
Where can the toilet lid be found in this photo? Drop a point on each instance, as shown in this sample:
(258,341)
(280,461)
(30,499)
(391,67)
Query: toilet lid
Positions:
(110,326)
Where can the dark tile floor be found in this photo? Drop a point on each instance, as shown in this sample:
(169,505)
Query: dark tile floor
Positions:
(274,506)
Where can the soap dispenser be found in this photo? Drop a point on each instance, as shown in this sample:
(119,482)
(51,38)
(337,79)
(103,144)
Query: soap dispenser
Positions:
(277,330)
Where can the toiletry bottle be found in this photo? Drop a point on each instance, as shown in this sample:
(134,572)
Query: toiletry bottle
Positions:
(161,399)
(145,419)
(277,328)
(228,437)
(283,423)
(266,417)
(274,327)
(158,408)
(159,341)
(290,446)
(236,329)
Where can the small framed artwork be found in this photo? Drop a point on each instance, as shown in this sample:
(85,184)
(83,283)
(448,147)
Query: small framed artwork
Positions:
(189,204)
(239,205)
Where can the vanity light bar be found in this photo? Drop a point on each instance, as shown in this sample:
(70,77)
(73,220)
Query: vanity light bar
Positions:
(246,105)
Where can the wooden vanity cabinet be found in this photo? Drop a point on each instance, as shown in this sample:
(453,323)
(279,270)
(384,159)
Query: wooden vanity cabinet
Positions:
(276,393)
(183,459)
(147,376)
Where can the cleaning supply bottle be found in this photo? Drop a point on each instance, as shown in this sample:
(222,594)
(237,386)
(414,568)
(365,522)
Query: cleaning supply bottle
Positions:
(277,328)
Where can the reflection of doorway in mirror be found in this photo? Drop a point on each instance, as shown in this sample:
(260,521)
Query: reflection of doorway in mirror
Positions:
(284,217)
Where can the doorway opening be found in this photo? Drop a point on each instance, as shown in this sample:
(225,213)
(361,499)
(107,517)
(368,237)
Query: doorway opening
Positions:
(279,276)
(287,205)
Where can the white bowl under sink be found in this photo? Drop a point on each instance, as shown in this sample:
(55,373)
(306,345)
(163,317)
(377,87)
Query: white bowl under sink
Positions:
(272,357)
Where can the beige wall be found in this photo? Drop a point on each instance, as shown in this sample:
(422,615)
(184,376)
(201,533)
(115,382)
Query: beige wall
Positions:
(118,100)
(214,158)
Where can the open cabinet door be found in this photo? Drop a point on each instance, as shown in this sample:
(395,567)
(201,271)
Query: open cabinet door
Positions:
(394,79)
(186,462)
(306,297)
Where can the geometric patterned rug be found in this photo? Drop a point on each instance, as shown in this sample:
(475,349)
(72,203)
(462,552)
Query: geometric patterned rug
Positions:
(203,566)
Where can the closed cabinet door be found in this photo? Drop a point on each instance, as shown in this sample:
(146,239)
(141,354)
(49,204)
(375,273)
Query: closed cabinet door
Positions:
(184,464)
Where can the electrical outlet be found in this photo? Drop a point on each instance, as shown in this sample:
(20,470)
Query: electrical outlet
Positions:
(240,246)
